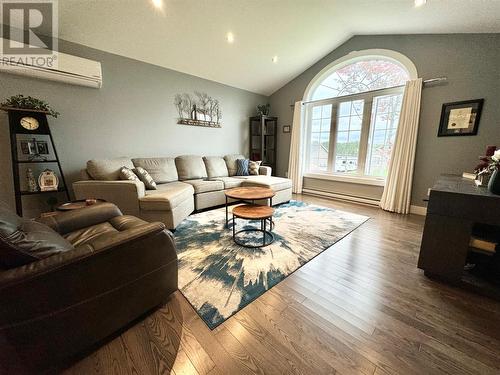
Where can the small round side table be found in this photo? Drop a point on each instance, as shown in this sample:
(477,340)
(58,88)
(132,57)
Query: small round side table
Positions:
(253,212)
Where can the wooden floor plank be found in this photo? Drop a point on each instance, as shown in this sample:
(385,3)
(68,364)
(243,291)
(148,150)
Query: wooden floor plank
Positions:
(360,307)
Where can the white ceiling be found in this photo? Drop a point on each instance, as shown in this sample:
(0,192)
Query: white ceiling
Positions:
(190,35)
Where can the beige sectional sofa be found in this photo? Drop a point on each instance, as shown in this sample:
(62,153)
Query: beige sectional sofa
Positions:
(184,184)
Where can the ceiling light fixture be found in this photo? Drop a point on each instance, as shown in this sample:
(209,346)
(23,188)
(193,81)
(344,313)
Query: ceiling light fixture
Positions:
(274,59)
(419,3)
(157,3)
(230,37)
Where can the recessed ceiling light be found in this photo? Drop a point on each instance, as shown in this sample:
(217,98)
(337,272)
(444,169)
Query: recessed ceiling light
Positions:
(230,37)
(419,3)
(274,59)
(157,3)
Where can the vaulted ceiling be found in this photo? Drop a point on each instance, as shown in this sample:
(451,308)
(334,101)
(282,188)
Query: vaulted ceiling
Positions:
(191,35)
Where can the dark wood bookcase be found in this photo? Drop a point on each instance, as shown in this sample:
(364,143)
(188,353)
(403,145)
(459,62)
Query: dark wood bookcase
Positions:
(263,140)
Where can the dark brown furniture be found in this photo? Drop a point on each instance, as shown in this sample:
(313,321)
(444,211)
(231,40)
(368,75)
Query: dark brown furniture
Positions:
(248,194)
(254,212)
(264,140)
(109,270)
(455,206)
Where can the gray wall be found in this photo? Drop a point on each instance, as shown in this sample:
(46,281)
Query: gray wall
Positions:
(131,115)
(472,64)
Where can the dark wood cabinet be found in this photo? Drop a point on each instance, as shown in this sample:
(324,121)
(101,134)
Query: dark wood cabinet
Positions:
(264,140)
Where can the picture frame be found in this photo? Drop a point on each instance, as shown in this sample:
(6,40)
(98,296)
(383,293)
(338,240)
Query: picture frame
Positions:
(286,128)
(48,180)
(42,147)
(460,118)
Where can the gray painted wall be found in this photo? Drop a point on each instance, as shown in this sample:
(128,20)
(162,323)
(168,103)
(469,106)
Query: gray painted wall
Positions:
(471,63)
(131,115)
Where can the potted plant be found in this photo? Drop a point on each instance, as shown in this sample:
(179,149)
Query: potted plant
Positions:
(491,164)
(27,102)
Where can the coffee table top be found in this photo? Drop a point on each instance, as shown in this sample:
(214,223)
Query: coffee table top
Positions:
(250,193)
(253,211)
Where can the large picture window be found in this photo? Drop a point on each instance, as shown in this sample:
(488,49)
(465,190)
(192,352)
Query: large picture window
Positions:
(352,119)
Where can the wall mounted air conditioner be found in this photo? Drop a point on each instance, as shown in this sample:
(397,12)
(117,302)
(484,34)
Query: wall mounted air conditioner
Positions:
(70,69)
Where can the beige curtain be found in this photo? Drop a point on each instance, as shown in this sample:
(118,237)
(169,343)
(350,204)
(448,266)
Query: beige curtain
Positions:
(397,191)
(296,159)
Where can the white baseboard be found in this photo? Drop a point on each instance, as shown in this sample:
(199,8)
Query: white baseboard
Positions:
(418,210)
(372,202)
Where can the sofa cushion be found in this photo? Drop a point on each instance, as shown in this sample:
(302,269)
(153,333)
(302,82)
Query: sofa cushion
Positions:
(190,167)
(229,182)
(166,197)
(253,167)
(24,241)
(146,178)
(216,166)
(242,167)
(231,163)
(161,169)
(275,183)
(128,174)
(204,186)
(107,169)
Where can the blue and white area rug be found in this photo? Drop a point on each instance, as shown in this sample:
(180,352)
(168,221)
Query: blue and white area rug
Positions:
(219,277)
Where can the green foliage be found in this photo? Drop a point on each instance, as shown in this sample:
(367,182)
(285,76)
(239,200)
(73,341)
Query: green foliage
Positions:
(348,148)
(28,102)
(263,109)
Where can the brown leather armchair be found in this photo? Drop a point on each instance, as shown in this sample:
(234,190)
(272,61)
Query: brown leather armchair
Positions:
(117,268)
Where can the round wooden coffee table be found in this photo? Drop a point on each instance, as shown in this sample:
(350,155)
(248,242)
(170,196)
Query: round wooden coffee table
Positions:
(248,194)
(253,212)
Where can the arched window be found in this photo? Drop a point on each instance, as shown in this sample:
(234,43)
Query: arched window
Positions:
(352,109)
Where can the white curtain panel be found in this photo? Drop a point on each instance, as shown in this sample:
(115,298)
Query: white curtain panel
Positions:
(397,191)
(296,159)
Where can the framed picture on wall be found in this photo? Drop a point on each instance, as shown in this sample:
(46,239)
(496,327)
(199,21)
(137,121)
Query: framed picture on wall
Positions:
(286,128)
(460,118)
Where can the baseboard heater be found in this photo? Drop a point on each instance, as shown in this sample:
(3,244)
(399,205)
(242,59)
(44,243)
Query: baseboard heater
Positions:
(350,198)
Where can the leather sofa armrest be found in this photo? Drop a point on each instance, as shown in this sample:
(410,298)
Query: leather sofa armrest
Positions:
(125,194)
(265,170)
(70,221)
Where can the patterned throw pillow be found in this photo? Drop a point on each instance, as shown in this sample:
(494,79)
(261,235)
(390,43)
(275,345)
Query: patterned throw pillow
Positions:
(128,174)
(253,167)
(242,167)
(145,177)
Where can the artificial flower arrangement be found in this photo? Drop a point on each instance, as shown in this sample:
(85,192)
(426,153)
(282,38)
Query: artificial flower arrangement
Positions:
(488,168)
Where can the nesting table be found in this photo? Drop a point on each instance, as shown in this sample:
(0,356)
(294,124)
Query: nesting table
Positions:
(252,211)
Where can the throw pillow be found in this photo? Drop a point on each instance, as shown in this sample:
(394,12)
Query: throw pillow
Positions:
(145,177)
(242,167)
(128,174)
(253,167)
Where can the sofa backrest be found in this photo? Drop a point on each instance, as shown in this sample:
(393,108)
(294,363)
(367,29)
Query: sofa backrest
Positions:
(216,166)
(231,163)
(162,170)
(107,169)
(190,167)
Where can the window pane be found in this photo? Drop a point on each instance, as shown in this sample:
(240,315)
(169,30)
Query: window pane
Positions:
(383,127)
(320,137)
(361,76)
(348,137)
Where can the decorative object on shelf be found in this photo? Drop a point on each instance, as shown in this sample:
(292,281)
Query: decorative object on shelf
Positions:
(460,118)
(48,180)
(30,136)
(263,109)
(28,103)
(263,140)
(494,166)
(31,182)
(202,110)
(286,128)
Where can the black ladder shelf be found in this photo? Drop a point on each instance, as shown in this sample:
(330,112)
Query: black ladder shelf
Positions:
(16,129)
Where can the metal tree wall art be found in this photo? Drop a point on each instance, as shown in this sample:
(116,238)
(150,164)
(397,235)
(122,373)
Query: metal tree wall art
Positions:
(200,110)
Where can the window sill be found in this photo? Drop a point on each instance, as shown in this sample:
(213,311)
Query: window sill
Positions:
(348,179)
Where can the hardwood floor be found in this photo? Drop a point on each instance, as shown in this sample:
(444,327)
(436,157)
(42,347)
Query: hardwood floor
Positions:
(361,307)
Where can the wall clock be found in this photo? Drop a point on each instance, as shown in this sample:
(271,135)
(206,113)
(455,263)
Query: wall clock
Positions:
(29,123)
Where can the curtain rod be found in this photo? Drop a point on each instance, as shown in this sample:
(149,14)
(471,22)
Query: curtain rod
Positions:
(425,82)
